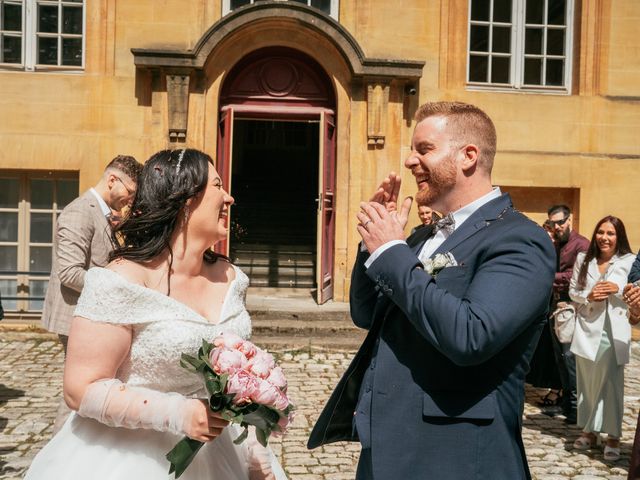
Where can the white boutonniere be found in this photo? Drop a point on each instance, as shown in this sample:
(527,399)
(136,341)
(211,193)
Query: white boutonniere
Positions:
(435,265)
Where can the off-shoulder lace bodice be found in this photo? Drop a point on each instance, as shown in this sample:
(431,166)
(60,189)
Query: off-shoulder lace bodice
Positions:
(163,328)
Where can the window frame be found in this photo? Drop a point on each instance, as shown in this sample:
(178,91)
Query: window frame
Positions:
(334,9)
(30,36)
(23,281)
(517,53)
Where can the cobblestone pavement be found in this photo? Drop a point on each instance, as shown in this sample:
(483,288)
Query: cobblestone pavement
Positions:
(30,388)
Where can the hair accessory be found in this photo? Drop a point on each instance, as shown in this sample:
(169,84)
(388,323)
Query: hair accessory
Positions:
(180,157)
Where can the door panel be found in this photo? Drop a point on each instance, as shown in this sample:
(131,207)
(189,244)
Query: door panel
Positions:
(326,207)
(223,165)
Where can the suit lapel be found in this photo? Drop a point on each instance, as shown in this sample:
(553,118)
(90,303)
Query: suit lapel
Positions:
(480,219)
(95,209)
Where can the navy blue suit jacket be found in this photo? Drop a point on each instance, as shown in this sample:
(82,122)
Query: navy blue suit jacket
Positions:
(452,351)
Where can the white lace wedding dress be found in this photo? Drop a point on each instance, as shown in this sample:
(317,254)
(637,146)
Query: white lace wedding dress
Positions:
(163,329)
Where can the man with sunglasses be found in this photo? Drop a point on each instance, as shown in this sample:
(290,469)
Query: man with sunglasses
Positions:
(568,244)
(83,240)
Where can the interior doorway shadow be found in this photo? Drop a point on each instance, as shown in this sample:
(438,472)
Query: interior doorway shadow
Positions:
(7,393)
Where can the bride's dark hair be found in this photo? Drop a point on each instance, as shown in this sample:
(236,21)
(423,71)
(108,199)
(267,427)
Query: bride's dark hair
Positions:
(168,179)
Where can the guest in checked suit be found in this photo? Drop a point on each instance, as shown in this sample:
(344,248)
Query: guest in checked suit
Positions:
(82,241)
(437,389)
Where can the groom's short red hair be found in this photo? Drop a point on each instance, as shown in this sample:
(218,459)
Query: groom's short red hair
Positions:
(469,124)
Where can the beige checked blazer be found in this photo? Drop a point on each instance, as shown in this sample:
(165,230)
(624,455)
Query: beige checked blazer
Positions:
(82,241)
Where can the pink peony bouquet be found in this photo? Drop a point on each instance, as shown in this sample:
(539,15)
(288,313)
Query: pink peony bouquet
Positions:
(245,386)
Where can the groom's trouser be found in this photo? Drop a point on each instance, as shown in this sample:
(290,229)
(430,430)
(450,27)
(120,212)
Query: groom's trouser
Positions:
(365,465)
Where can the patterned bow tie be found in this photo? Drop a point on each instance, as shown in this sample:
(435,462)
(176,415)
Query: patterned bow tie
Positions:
(447,223)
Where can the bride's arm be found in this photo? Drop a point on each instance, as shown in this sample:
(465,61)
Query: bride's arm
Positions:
(95,352)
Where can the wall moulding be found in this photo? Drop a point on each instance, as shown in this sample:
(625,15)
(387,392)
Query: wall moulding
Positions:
(178,105)
(191,62)
(377,109)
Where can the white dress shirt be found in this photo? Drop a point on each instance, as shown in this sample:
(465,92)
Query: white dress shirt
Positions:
(106,211)
(432,243)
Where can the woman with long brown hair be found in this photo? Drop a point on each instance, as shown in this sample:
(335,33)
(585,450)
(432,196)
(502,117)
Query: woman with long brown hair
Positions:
(602,334)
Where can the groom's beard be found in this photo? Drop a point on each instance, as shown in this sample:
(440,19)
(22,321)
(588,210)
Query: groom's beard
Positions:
(442,179)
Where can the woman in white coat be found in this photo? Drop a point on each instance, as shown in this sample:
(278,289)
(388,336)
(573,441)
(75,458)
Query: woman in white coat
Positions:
(602,334)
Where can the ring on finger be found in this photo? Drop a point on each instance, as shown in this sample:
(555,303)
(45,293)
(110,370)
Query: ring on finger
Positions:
(364,225)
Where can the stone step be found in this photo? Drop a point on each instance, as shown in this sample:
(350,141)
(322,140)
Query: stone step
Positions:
(282,270)
(270,246)
(264,281)
(299,333)
(303,327)
(275,343)
(264,259)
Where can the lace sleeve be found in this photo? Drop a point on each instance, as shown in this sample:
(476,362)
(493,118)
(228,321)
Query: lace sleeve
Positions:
(108,297)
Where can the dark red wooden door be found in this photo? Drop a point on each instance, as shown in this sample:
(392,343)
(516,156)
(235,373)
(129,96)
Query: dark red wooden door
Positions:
(285,84)
(326,207)
(223,165)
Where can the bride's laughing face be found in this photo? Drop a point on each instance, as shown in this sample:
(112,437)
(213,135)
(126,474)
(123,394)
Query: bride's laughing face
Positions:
(209,210)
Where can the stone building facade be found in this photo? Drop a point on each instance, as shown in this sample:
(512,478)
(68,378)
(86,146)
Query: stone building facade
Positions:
(306,105)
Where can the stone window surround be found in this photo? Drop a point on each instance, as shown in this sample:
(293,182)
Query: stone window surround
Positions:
(518,55)
(334,8)
(29,37)
(24,282)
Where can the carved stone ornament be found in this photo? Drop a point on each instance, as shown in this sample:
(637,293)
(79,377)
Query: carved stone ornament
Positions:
(377,107)
(178,106)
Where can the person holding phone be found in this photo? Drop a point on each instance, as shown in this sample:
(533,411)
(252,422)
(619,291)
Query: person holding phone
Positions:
(602,335)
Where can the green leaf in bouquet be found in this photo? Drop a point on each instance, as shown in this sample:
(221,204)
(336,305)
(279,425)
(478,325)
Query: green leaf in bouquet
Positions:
(262,436)
(206,348)
(224,378)
(242,437)
(213,383)
(182,455)
(206,361)
(263,418)
(191,363)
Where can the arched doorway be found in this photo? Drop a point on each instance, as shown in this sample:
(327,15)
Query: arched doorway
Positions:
(276,154)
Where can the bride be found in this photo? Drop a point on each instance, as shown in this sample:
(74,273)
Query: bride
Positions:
(163,292)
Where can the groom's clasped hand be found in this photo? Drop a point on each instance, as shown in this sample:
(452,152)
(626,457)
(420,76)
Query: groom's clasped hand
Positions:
(379,220)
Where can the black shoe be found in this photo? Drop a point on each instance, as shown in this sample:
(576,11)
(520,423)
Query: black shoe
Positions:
(551,399)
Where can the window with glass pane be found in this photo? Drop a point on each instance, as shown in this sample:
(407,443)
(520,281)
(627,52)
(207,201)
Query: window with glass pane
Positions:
(29,208)
(520,44)
(11,31)
(9,232)
(42,33)
(330,7)
(490,41)
(59,33)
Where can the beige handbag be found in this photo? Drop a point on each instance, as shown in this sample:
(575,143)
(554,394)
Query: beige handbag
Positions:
(565,321)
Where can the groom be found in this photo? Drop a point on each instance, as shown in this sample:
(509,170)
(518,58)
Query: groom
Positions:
(437,389)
